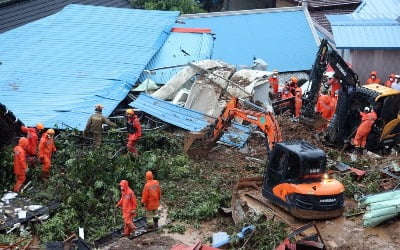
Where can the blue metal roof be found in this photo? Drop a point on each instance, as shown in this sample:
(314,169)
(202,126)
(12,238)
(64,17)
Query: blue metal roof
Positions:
(179,49)
(372,25)
(188,119)
(56,69)
(371,9)
(284,37)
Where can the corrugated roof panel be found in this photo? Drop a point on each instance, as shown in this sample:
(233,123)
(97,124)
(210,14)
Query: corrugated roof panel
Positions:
(388,38)
(372,25)
(18,13)
(283,37)
(188,119)
(377,9)
(61,66)
(178,49)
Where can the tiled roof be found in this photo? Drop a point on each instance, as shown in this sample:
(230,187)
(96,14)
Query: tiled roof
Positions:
(18,13)
(319,16)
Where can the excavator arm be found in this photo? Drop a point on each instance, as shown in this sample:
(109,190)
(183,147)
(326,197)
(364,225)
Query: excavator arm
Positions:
(348,80)
(264,120)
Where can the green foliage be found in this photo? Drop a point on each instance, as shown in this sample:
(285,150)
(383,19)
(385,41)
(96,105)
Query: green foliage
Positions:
(84,180)
(7,177)
(267,235)
(368,184)
(183,6)
(176,228)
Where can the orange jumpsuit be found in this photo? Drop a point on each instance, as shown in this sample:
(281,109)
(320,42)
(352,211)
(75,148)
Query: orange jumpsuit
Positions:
(134,133)
(151,196)
(335,85)
(286,95)
(31,134)
(389,82)
(372,80)
(46,149)
(274,84)
(129,205)
(367,120)
(325,106)
(298,102)
(20,165)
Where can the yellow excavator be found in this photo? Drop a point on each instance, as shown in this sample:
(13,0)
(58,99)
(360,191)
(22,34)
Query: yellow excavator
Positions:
(352,98)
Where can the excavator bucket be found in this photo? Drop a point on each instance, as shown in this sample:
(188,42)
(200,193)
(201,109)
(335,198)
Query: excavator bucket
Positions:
(196,144)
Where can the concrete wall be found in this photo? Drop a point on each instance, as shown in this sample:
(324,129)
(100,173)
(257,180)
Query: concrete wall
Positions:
(248,4)
(384,62)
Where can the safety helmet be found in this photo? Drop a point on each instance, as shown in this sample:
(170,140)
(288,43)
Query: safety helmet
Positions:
(367,109)
(50,131)
(294,79)
(373,73)
(130,112)
(39,126)
(275,71)
(392,76)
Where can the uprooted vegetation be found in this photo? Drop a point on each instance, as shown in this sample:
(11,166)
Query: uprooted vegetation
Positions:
(85,181)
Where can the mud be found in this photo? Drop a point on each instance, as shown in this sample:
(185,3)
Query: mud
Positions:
(339,233)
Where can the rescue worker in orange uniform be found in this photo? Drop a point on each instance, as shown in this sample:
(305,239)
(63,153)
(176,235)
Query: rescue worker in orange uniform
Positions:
(286,94)
(335,85)
(128,206)
(390,81)
(367,121)
(151,196)
(20,165)
(325,106)
(33,141)
(46,149)
(134,130)
(373,78)
(274,82)
(298,102)
(292,85)
(94,125)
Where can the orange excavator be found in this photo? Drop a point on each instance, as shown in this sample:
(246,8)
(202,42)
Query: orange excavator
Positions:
(295,177)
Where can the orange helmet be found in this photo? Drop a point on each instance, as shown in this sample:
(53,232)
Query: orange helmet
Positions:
(392,76)
(50,131)
(294,79)
(373,73)
(39,126)
(130,112)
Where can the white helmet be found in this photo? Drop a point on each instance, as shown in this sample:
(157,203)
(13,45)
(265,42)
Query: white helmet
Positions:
(367,109)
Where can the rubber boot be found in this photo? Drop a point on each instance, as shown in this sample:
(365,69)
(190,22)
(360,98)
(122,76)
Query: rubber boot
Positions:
(155,220)
(360,151)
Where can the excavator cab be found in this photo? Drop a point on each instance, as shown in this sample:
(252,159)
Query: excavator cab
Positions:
(296,180)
